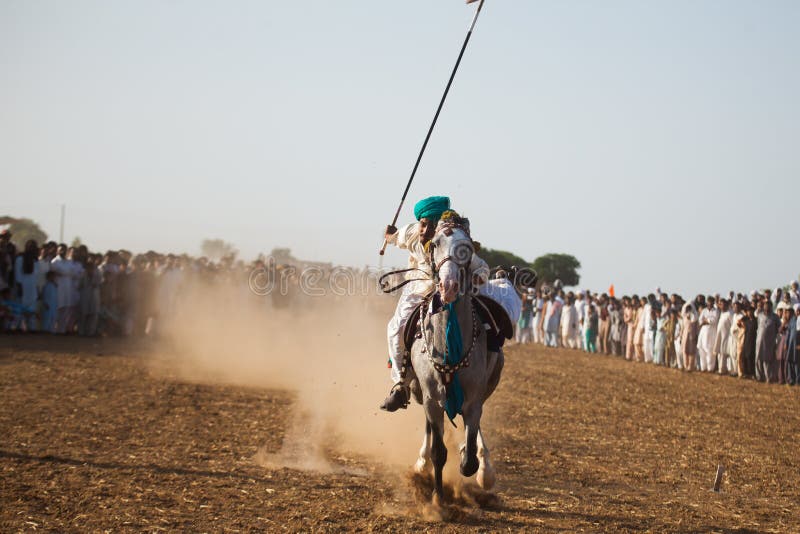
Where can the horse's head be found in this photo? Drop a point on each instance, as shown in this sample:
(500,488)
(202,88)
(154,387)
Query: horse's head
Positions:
(451,251)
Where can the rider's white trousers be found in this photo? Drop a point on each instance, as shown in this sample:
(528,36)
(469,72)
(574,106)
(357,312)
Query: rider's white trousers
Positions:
(408,301)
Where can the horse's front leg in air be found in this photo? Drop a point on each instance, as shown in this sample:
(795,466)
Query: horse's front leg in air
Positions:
(423,464)
(486,475)
(469,453)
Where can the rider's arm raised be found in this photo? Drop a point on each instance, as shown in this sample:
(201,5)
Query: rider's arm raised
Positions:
(405,237)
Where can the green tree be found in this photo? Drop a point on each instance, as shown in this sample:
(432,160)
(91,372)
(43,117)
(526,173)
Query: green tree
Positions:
(216,249)
(552,267)
(501,258)
(22,230)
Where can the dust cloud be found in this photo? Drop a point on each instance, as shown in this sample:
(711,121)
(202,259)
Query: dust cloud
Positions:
(329,351)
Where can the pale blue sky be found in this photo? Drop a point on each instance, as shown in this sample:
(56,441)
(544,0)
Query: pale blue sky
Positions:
(659,142)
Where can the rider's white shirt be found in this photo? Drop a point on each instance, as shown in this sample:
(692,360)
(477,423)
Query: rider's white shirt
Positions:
(503,291)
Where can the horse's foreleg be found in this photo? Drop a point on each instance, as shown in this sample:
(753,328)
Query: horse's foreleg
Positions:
(486,475)
(435,416)
(423,464)
(469,453)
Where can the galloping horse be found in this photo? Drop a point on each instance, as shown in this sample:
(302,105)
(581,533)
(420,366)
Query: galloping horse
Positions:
(451,308)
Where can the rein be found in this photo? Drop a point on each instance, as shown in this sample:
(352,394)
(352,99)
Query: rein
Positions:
(383,283)
(447,229)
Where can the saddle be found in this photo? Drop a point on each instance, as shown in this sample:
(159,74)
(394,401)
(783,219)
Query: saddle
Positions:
(492,315)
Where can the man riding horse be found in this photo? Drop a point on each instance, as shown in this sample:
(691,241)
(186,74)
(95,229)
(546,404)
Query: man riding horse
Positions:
(415,238)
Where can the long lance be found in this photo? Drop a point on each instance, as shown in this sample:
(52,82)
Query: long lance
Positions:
(435,117)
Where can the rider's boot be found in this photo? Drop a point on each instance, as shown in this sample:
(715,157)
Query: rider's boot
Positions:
(398,398)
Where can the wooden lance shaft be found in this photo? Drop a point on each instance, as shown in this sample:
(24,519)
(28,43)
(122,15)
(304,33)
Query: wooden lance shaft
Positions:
(435,118)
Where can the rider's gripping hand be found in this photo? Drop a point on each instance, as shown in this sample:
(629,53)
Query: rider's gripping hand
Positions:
(390,231)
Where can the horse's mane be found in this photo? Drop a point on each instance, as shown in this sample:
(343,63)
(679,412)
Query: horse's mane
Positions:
(451,219)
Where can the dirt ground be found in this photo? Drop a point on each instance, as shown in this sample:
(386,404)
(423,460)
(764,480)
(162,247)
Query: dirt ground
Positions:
(97,435)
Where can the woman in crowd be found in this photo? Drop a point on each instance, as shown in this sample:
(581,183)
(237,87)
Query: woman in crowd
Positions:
(630,325)
(748,351)
(638,329)
(689,336)
(604,325)
(526,317)
(591,320)
(670,356)
(782,347)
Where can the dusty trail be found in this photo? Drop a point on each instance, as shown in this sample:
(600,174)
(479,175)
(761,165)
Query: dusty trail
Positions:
(102,435)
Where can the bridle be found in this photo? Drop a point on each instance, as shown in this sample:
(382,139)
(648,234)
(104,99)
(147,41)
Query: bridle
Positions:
(447,229)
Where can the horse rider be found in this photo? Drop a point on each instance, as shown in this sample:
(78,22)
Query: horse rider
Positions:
(414,237)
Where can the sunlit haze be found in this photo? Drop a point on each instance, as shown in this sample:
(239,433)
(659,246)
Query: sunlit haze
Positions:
(656,142)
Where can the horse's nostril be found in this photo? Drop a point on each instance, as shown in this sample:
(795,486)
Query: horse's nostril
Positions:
(448,288)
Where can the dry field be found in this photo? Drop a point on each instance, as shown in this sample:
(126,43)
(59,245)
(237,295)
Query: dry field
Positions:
(100,435)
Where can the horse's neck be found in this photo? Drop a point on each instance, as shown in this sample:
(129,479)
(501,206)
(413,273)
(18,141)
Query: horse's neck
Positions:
(463,309)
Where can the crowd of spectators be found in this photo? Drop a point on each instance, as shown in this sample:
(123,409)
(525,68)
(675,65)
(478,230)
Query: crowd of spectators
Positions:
(736,334)
(58,289)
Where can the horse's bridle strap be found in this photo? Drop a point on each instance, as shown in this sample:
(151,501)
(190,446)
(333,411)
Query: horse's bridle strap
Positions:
(444,260)
(401,284)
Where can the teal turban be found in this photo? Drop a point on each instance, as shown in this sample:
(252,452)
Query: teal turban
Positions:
(431,207)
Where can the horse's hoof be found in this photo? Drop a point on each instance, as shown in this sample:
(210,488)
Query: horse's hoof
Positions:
(486,478)
(436,500)
(422,466)
(469,465)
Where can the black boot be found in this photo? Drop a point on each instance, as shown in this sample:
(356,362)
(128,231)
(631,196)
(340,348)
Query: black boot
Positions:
(398,398)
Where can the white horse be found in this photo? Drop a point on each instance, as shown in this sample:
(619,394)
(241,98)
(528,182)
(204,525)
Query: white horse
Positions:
(478,372)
